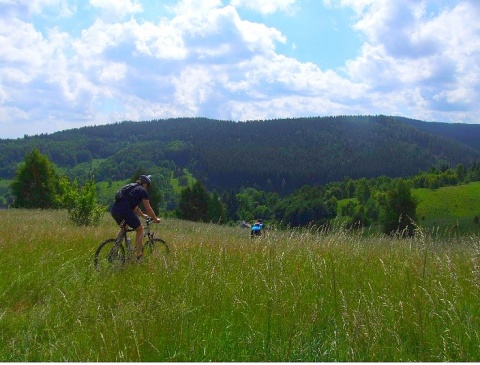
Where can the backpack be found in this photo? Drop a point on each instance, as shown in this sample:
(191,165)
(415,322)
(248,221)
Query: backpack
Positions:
(123,191)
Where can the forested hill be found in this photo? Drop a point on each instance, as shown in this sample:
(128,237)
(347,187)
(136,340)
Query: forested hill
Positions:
(278,155)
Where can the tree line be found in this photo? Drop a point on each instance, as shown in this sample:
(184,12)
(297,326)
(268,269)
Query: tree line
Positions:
(383,201)
(393,210)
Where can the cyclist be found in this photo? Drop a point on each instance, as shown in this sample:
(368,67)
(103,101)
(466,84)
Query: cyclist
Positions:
(256,228)
(125,210)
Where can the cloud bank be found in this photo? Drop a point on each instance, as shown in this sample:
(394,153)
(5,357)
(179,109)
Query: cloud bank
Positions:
(67,64)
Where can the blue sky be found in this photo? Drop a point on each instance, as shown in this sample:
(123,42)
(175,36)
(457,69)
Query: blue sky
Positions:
(66,64)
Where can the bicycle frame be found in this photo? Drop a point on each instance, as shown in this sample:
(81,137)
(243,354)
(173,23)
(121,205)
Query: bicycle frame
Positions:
(114,250)
(124,235)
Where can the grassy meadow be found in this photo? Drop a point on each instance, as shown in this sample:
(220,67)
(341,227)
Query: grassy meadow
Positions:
(451,208)
(296,295)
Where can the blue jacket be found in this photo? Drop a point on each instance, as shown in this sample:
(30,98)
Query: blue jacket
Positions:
(257,226)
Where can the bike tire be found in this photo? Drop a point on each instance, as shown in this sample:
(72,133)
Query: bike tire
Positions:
(156,244)
(109,255)
(256,234)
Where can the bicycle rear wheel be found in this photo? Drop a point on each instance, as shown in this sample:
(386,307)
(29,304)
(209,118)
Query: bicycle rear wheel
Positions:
(156,244)
(109,255)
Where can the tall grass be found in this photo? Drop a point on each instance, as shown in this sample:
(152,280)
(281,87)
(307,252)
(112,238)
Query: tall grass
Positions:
(296,295)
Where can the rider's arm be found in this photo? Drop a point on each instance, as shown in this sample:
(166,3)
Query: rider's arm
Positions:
(140,213)
(150,212)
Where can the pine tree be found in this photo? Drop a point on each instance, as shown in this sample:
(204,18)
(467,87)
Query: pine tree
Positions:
(36,184)
(194,202)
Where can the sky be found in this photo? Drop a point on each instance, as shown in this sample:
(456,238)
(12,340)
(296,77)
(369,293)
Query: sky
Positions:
(66,64)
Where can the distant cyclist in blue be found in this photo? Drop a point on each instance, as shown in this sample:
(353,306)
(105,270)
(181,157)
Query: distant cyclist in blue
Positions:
(256,228)
(125,210)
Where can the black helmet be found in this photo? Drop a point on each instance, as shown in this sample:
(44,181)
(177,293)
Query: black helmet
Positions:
(145,179)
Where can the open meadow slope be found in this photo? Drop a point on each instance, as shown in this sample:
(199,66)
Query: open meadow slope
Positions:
(450,206)
(218,296)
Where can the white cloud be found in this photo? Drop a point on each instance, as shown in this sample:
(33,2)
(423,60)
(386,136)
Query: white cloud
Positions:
(265,6)
(29,8)
(117,8)
(195,8)
(193,88)
(407,48)
(20,41)
(206,60)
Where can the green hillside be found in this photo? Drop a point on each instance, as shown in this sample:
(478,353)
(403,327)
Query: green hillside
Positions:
(273,155)
(449,206)
(451,209)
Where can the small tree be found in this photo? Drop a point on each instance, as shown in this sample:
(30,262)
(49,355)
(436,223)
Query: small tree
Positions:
(216,209)
(194,203)
(81,203)
(231,203)
(36,183)
(398,210)
(363,191)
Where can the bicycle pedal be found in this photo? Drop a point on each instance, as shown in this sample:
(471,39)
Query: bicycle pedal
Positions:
(134,259)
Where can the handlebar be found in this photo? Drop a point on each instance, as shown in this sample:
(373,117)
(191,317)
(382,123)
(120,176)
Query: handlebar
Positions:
(149,220)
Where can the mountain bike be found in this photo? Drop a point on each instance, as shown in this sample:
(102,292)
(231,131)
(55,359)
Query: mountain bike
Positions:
(256,233)
(115,252)
(256,229)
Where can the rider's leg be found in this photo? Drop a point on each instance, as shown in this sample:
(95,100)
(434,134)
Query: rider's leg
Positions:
(139,238)
(132,220)
(121,223)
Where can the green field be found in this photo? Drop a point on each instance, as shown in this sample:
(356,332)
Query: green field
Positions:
(218,296)
(447,210)
(451,207)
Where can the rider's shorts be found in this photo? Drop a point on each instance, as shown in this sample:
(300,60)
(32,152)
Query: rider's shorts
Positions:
(125,215)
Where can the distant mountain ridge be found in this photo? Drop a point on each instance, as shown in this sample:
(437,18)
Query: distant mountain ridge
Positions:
(274,155)
(464,133)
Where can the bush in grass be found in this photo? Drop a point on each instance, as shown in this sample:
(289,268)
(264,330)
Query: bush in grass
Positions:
(81,203)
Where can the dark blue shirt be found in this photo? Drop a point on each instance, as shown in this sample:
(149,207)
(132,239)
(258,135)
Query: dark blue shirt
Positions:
(130,200)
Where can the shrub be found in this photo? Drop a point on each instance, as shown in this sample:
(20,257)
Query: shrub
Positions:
(81,203)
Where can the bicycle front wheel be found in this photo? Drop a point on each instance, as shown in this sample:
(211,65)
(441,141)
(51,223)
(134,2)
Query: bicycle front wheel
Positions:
(156,244)
(109,255)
